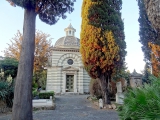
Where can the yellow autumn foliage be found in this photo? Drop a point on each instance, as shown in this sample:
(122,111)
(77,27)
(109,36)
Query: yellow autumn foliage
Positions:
(98,47)
(155,58)
(42,51)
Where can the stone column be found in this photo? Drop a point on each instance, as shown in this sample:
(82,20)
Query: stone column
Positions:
(59,79)
(75,82)
(80,89)
(64,82)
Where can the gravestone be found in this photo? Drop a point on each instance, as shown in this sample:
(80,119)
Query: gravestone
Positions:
(119,94)
(100,103)
(119,87)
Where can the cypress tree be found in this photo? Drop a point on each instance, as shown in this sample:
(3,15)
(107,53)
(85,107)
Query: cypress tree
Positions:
(146,32)
(102,40)
(150,40)
(146,74)
(106,14)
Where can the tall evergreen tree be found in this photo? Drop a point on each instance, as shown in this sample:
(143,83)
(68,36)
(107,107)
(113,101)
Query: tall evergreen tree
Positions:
(150,40)
(147,33)
(146,73)
(102,40)
(49,11)
(106,14)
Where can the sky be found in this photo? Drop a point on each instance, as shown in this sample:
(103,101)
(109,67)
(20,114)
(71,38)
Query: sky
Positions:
(11,20)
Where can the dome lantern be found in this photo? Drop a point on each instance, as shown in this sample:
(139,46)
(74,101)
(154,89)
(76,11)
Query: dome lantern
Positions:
(70,30)
(68,41)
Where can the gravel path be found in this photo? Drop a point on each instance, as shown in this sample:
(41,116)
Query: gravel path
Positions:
(72,107)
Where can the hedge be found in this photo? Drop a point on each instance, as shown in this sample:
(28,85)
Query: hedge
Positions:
(46,95)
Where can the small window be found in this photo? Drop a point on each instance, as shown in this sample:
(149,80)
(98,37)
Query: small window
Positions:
(70,61)
(70,32)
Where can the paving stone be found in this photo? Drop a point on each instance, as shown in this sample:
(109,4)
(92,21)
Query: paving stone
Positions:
(72,107)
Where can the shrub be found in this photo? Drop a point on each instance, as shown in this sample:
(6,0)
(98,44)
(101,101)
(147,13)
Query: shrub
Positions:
(35,93)
(46,95)
(95,89)
(6,93)
(34,85)
(142,103)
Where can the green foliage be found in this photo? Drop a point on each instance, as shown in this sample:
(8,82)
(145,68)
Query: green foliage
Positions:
(102,37)
(34,85)
(46,95)
(39,79)
(121,74)
(147,33)
(107,15)
(35,93)
(142,103)
(146,74)
(49,10)
(6,93)
(9,66)
(102,40)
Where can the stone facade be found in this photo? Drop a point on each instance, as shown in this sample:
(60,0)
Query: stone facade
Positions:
(65,72)
(135,79)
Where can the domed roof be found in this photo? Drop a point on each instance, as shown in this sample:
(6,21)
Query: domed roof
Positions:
(69,41)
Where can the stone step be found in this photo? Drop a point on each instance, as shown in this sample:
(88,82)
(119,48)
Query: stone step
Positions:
(69,93)
(42,102)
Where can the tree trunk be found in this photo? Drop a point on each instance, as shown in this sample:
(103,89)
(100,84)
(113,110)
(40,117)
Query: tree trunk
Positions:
(105,89)
(153,12)
(108,90)
(22,105)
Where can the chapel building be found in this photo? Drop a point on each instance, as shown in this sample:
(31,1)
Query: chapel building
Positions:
(66,73)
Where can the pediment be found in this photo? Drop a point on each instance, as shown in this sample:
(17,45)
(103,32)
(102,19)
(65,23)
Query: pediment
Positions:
(70,69)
